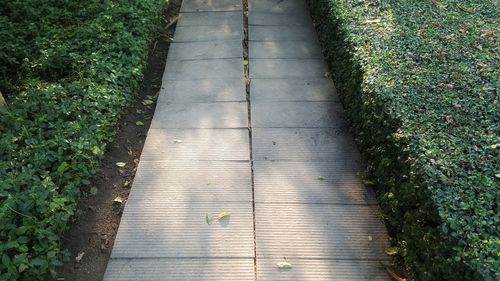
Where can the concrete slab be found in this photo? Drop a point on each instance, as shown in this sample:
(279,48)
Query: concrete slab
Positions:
(293,89)
(208,33)
(203,90)
(310,182)
(155,228)
(211,18)
(287,114)
(285,33)
(201,115)
(321,269)
(211,5)
(284,49)
(196,144)
(278,6)
(205,50)
(284,68)
(203,69)
(161,269)
(304,144)
(193,181)
(319,231)
(265,18)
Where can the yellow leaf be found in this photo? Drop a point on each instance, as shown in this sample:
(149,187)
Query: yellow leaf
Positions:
(223,215)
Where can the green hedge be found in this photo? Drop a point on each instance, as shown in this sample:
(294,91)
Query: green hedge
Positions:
(419,79)
(69,68)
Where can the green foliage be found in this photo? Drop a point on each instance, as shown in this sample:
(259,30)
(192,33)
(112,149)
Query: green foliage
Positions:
(419,80)
(69,68)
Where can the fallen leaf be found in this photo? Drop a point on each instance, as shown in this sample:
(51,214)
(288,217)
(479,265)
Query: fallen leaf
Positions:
(79,257)
(209,218)
(284,265)
(118,200)
(147,102)
(93,190)
(245,62)
(139,123)
(121,164)
(321,178)
(392,251)
(223,215)
(370,238)
(394,275)
(177,141)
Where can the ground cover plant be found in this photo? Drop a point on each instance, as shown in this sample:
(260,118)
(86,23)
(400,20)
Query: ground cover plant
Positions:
(68,68)
(419,81)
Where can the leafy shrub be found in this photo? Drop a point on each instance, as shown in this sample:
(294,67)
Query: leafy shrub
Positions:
(418,79)
(68,68)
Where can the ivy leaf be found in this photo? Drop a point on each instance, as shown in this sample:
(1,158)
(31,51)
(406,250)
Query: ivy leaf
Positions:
(121,164)
(62,168)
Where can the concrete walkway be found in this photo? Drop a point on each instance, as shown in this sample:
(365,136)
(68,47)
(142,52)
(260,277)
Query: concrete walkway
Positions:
(281,160)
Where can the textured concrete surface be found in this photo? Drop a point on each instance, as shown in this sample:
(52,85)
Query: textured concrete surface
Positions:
(203,90)
(203,69)
(201,115)
(210,5)
(154,228)
(303,144)
(196,144)
(205,50)
(293,89)
(309,182)
(180,269)
(278,6)
(211,18)
(321,270)
(318,231)
(286,114)
(208,33)
(193,181)
(293,191)
(286,33)
(287,68)
(283,49)
(269,18)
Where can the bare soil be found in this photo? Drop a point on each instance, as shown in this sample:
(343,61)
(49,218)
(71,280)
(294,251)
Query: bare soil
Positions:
(92,231)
